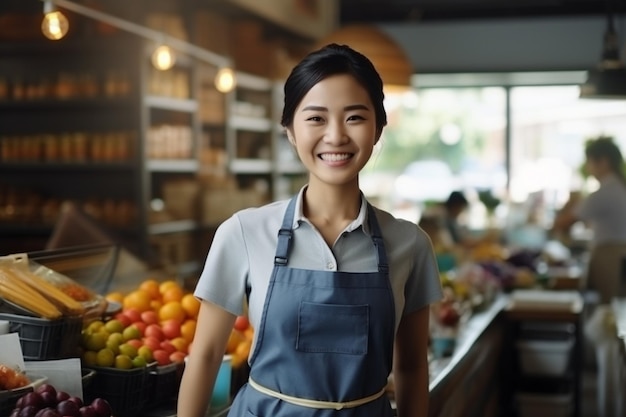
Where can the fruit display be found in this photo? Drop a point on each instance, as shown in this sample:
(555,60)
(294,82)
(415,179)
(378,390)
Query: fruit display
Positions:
(240,341)
(156,324)
(47,401)
(11,379)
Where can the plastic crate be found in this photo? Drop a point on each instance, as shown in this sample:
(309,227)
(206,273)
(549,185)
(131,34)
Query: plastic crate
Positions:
(163,384)
(124,389)
(545,348)
(43,339)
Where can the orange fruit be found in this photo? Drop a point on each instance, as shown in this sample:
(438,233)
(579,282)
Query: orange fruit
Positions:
(138,300)
(180,343)
(155,305)
(151,286)
(172,294)
(191,305)
(188,330)
(172,310)
(235,338)
(165,285)
(243,348)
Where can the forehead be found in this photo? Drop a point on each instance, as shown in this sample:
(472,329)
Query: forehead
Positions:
(338,89)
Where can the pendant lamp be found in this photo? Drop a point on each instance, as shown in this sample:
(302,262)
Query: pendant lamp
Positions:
(608,80)
(387,56)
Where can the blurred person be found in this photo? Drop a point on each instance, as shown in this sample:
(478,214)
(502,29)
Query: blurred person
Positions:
(339,292)
(604,211)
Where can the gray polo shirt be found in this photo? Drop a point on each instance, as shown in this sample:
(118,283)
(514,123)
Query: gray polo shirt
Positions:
(605,211)
(243,249)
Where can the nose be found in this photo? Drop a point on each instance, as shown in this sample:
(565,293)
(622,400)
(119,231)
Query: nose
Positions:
(336,133)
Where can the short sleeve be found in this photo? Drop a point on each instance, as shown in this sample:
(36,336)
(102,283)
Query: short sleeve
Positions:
(223,278)
(423,286)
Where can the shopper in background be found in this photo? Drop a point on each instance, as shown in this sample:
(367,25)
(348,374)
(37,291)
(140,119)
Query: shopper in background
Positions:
(604,211)
(454,206)
(338,290)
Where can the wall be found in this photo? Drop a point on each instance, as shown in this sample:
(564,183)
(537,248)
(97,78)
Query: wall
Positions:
(504,45)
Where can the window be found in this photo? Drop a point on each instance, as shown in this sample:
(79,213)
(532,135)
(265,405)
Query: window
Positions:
(518,137)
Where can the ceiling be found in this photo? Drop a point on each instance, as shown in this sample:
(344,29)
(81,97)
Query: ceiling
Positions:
(398,11)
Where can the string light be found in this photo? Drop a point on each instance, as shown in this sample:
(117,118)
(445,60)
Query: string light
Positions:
(225,80)
(163,58)
(54,25)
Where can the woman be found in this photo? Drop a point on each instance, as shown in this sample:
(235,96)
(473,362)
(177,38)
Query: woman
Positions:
(337,289)
(605,212)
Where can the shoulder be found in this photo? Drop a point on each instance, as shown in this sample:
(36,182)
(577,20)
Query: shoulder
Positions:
(400,230)
(255,222)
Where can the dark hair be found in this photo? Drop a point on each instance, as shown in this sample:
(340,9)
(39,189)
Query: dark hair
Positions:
(604,148)
(331,60)
(456,199)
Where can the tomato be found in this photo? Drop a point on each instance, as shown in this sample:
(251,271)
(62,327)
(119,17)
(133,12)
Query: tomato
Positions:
(241,323)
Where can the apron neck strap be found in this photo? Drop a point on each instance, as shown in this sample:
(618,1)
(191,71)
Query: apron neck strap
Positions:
(285,237)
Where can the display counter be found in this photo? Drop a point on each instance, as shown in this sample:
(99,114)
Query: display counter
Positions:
(467,383)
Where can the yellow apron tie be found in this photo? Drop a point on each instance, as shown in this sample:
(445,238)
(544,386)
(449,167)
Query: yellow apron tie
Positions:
(315,403)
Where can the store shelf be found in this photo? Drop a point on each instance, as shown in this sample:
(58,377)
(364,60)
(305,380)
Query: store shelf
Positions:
(173,165)
(176,226)
(251,166)
(251,124)
(170,103)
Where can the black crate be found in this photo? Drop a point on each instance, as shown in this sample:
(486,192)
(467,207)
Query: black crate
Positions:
(9,398)
(163,384)
(124,389)
(43,339)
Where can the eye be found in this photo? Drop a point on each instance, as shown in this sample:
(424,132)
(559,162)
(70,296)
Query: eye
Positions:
(355,117)
(314,119)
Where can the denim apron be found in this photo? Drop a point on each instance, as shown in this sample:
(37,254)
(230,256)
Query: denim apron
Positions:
(325,341)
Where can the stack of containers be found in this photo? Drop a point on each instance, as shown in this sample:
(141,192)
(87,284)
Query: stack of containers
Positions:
(545,360)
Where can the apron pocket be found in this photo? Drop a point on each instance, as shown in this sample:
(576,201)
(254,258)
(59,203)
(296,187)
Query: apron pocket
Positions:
(333,328)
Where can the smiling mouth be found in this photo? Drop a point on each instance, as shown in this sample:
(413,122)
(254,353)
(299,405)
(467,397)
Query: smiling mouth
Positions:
(335,157)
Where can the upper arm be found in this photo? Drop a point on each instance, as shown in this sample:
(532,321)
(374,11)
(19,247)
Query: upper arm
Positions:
(213,328)
(411,344)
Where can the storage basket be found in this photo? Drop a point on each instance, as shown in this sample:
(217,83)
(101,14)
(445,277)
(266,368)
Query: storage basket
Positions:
(545,348)
(124,389)
(43,339)
(162,384)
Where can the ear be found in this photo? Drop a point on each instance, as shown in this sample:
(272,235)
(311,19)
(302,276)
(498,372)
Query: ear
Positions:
(290,136)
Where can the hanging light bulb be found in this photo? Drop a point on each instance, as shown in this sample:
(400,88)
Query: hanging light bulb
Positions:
(163,58)
(54,25)
(225,80)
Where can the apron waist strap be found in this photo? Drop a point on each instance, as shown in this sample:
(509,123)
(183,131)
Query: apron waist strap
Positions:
(304,402)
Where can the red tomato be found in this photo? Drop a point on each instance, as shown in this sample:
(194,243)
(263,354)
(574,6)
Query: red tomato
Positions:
(241,323)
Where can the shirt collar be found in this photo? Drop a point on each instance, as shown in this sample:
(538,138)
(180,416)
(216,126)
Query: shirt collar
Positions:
(361,219)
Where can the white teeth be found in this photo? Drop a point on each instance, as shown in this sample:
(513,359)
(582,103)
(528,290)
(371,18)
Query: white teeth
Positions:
(335,156)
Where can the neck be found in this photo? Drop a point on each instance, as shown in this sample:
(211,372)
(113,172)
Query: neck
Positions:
(332,204)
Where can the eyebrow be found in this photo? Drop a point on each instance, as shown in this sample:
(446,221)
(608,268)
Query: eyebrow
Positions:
(347,108)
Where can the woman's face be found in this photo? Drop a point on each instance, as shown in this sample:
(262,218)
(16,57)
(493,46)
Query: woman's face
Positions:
(334,130)
(596,167)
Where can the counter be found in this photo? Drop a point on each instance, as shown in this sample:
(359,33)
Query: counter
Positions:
(468,383)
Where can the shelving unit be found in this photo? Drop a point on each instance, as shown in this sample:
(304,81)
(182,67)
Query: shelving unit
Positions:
(68,132)
(117,137)
(552,389)
(106,131)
